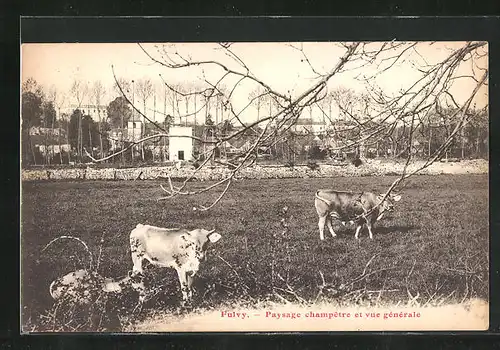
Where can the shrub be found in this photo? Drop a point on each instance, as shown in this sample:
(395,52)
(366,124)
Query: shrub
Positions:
(316,152)
(313,165)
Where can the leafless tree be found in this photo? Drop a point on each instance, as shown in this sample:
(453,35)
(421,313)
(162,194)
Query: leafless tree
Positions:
(59,100)
(50,97)
(145,91)
(122,86)
(31,85)
(256,97)
(79,90)
(405,109)
(97,94)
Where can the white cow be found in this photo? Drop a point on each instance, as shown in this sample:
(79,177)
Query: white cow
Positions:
(180,249)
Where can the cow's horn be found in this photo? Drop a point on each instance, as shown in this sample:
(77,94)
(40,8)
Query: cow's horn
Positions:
(211,231)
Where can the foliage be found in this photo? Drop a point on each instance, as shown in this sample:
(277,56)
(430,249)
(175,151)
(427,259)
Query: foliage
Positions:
(118,109)
(315,152)
(31,110)
(89,130)
(168,121)
(312,165)
(31,85)
(48,114)
(208,120)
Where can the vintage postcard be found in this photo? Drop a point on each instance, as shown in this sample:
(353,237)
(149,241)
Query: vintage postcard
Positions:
(254,187)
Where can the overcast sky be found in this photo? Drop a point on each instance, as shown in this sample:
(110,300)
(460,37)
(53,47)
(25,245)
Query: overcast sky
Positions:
(278,64)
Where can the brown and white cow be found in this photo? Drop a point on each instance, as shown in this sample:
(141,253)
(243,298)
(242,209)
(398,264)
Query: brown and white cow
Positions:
(180,249)
(362,208)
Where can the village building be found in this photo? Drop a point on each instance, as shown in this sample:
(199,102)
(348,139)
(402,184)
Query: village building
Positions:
(96,112)
(180,143)
(309,126)
(132,133)
(178,146)
(49,141)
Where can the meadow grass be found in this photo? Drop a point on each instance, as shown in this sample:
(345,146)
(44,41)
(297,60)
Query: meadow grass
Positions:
(434,245)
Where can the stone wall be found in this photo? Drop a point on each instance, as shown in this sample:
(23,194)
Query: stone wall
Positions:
(369,168)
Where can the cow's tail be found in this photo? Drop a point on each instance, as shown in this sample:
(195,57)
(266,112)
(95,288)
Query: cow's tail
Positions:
(91,257)
(322,199)
(52,290)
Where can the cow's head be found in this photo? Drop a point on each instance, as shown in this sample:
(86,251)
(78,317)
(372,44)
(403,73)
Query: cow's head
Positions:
(204,239)
(388,204)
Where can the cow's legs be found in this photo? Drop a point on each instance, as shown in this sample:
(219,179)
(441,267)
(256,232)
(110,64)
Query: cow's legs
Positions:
(190,277)
(137,282)
(183,280)
(358,228)
(321,225)
(330,226)
(137,275)
(369,225)
(137,252)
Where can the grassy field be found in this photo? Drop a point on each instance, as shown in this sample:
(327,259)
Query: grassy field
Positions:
(434,245)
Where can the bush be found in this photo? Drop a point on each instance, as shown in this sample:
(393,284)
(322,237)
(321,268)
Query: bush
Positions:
(313,165)
(317,153)
(148,155)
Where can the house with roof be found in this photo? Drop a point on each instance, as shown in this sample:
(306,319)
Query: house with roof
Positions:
(134,129)
(180,143)
(237,145)
(309,126)
(95,112)
(132,133)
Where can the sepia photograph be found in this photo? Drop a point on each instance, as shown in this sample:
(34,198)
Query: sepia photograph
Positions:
(254,187)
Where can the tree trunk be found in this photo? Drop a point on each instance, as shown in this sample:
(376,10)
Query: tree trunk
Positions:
(187,110)
(430,141)
(60,148)
(195,110)
(90,140)
(395,142)
(216,112)
(173,107)
(447,148)
(165,150)
(32,150)
(100,134)
(154,119)
(67,142)
(52,141)
(26,147)
(477,145)
(165,115)
(46,155)
(59,137)
(143,130)
(258,109)
(122,144)
(79,138)
(463,143)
